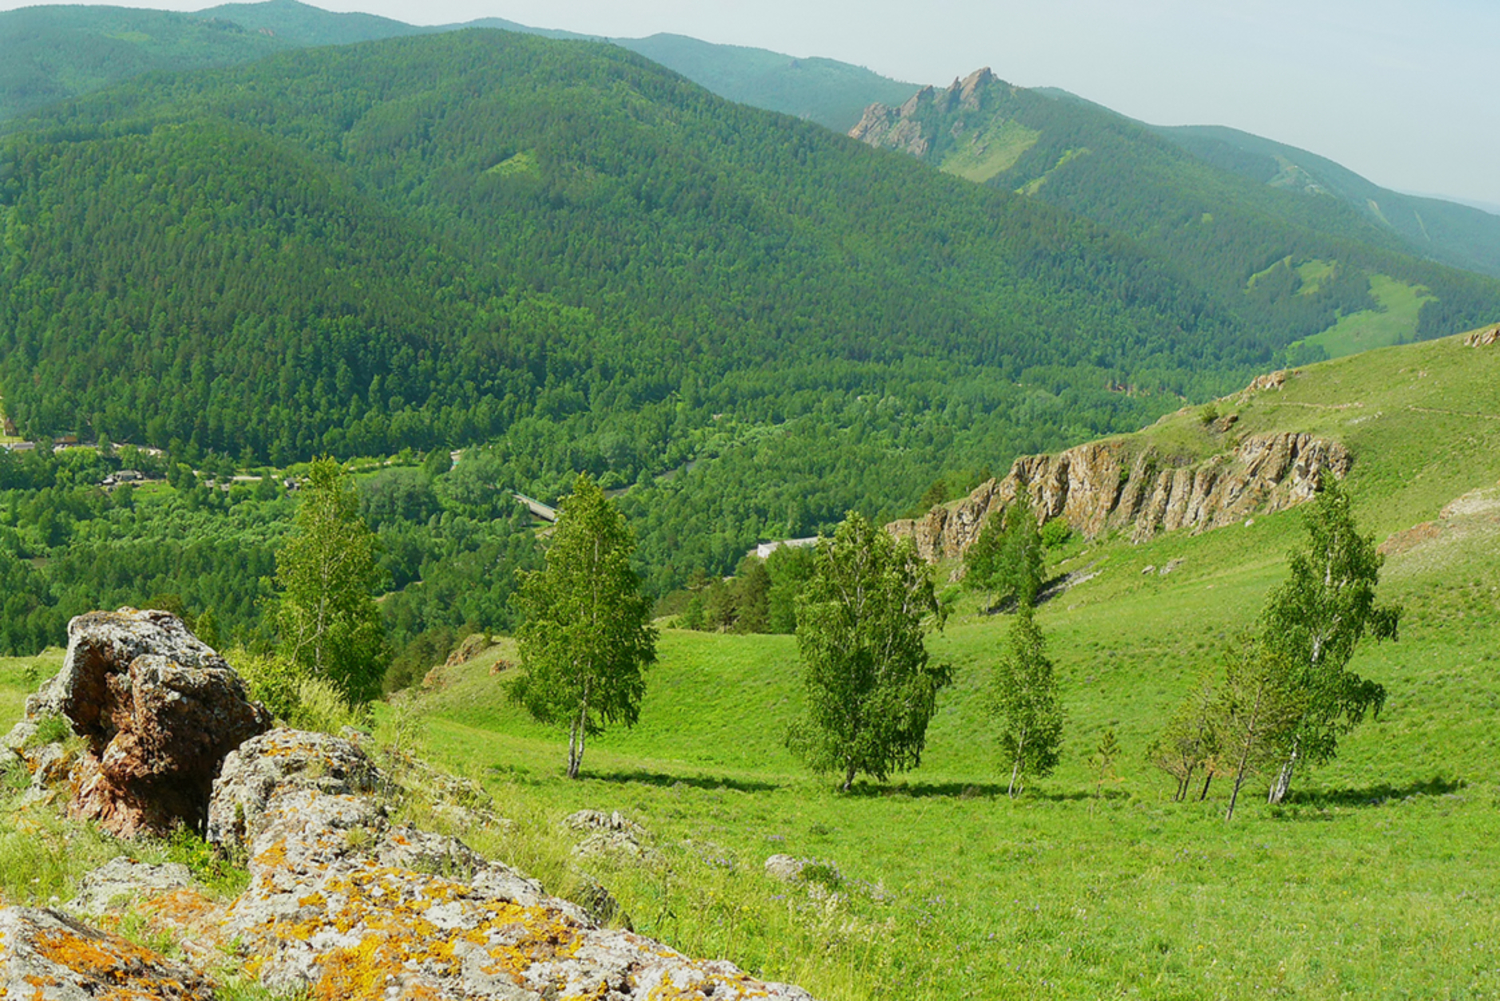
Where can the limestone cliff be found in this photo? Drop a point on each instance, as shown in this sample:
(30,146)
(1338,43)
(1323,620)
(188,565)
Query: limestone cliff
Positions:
(1110,486)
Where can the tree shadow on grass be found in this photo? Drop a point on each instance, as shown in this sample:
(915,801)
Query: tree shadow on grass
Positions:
(665,781)
(1377,794)
(927,790)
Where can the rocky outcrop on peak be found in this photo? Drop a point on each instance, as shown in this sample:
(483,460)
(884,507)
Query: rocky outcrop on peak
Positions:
(47,956)
(911,127)
(1102,487)
(1483,338)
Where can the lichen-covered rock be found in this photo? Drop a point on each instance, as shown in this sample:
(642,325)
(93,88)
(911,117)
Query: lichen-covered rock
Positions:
(279,761)
(346,917)
(123,880)
(47,956)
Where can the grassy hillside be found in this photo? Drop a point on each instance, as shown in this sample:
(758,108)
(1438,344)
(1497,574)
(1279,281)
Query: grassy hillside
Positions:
(1246,242)
(1371,881)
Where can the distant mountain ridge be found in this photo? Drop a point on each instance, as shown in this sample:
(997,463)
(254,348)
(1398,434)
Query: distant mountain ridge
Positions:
(51,53)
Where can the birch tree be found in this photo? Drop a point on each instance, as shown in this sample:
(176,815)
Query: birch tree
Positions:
(1025,698)
(326,576)
(871,685)
(1257,706)
(1189,742)
(586,634)
(1315,620)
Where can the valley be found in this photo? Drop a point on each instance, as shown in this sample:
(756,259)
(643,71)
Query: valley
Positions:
(315,327)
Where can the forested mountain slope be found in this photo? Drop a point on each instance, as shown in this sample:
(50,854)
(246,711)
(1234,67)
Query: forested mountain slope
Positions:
(673,234)
(1459,235)
(1295,260)
(51,53)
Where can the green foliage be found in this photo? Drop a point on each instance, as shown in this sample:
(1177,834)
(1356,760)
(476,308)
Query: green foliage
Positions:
(1024,696)
(1255,712)
(208,865)
(1006,561)
(870,685)
(585,634)
(325,575)
(271,678)
(1190,740)
(1056,533)
(1313,623)
(1103,761)
(50,730)
(323,705)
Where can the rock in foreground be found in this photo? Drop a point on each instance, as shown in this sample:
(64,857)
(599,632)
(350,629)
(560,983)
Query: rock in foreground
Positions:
(160,710)
(46,956)
(345,905)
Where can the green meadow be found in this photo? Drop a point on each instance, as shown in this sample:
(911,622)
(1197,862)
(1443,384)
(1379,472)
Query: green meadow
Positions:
(1375,880)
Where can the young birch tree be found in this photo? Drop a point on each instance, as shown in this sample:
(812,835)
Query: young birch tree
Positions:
(871,686)
(1257,706)
(326,575)
(586,631)
(1189,741)
(1315,620)
(1025,696)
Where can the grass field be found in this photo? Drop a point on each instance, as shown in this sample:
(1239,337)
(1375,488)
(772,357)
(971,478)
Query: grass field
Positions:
(991,152)
(1394,322)
(1376,880)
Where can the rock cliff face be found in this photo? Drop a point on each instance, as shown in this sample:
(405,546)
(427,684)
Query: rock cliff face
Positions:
(1483,338)
(1102,487)
(904,129)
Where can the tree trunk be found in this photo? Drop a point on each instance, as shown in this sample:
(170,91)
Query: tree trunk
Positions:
(849,778)
(1206,780)
(1283,783)
(1015,772)
(573,751)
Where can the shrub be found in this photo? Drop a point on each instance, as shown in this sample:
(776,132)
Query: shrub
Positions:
(321,705)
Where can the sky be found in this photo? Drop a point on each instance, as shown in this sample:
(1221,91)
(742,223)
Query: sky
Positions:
(1402,92)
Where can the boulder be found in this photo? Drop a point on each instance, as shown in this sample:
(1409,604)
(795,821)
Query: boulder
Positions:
(279,761)
(342,906)
(158,709)
(123,879)
(472,646)
(785,868)
(47,956)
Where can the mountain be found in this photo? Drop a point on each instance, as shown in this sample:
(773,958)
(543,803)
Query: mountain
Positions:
(825,91)
(1315,266)
(445,240)
(1461,235)
(51,53)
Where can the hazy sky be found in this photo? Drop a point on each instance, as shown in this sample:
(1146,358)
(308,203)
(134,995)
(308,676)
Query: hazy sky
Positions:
(1406,93)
